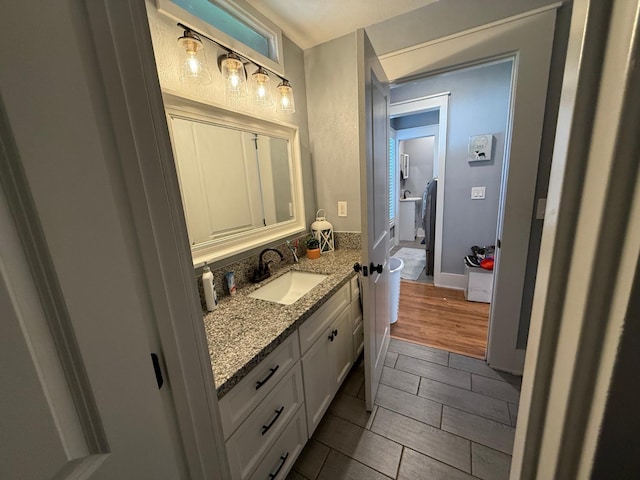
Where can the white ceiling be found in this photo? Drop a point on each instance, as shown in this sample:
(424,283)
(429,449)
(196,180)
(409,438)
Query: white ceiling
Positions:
(312,22)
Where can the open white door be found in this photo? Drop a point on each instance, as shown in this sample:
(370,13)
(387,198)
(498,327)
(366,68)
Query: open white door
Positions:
(531,36)
(373,106)
(78,401)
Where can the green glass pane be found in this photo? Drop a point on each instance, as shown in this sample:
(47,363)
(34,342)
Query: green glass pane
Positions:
(227,23)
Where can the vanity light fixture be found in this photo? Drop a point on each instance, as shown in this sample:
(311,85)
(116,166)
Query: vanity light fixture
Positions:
(262,91)
(194,67)
(235,75)
(232,65)
(286,102)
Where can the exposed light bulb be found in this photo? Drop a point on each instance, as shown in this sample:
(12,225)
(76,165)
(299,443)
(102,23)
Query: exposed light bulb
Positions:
(286,102)
(194,65)
(235,77)
(194,61)
(262,94)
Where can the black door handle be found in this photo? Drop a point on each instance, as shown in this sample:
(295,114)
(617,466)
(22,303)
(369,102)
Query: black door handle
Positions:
(375,268)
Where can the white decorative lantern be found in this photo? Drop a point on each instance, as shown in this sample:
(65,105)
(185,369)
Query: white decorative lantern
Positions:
(323,231)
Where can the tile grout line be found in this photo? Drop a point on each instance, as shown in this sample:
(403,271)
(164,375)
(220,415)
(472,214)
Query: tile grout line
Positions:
(444,463)
(426,424)
(462,409)
(323,463)
(480,443)
(448,364)
(453,368)
(400,462)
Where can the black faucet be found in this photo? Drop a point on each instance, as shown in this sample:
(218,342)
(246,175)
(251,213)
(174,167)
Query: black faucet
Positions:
(263,271)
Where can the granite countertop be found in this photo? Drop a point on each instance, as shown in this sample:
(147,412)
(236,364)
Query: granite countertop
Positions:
(243,330)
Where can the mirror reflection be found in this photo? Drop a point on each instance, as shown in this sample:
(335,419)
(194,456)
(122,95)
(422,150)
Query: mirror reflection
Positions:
(232,180)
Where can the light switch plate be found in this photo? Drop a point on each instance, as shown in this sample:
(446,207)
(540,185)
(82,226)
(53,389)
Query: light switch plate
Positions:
(477,193)
(342,209)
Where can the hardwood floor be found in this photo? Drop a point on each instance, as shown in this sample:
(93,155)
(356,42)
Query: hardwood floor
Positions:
(441,318)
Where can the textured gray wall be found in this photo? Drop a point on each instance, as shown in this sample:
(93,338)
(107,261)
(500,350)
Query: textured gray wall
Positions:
(479,104)
(332,96)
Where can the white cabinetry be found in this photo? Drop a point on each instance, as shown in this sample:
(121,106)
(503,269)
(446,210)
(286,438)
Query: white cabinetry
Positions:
(268,417)
(408,220)
(261,409)
(327,338)
(285,450)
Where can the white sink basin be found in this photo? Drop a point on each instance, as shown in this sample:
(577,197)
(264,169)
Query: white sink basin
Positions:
(288,288)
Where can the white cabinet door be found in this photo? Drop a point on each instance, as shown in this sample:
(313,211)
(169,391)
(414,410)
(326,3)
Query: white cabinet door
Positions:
(325,366)
(319,380)
(341,350)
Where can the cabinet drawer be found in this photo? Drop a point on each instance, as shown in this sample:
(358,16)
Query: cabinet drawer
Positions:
(255,436)
(285,451)
(243,398)
(315,325)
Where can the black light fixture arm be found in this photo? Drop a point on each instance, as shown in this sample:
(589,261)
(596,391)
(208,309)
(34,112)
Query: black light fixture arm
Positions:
(229,50)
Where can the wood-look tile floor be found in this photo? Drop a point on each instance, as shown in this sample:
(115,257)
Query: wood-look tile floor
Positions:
(441,318)
(438,416)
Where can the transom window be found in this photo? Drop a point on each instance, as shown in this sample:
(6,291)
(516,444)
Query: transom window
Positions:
(235,24)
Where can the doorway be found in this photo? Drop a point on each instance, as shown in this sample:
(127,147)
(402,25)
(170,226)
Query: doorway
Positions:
(451,309)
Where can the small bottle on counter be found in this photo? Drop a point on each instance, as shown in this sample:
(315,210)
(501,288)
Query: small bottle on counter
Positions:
(231,283)
(210,296)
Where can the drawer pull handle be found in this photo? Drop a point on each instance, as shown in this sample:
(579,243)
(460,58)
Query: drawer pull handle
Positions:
(283,460)
(265,428)
(260,383)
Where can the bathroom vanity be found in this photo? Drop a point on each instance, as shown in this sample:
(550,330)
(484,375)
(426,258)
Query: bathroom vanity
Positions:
(408,214)
(277,367)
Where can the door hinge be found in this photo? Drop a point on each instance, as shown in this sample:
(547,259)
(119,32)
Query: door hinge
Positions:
(157,370)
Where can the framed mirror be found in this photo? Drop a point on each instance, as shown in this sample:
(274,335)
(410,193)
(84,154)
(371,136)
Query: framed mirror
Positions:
(240,178)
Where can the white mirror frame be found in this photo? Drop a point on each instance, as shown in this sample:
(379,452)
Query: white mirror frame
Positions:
(222,248)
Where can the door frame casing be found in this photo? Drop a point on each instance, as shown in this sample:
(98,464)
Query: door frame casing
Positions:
(530,38)
(134,100)
(428,103)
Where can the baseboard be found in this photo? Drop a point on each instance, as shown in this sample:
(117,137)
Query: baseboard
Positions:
(452,280)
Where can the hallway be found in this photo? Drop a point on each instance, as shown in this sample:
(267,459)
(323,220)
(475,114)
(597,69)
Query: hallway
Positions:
(438,416)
